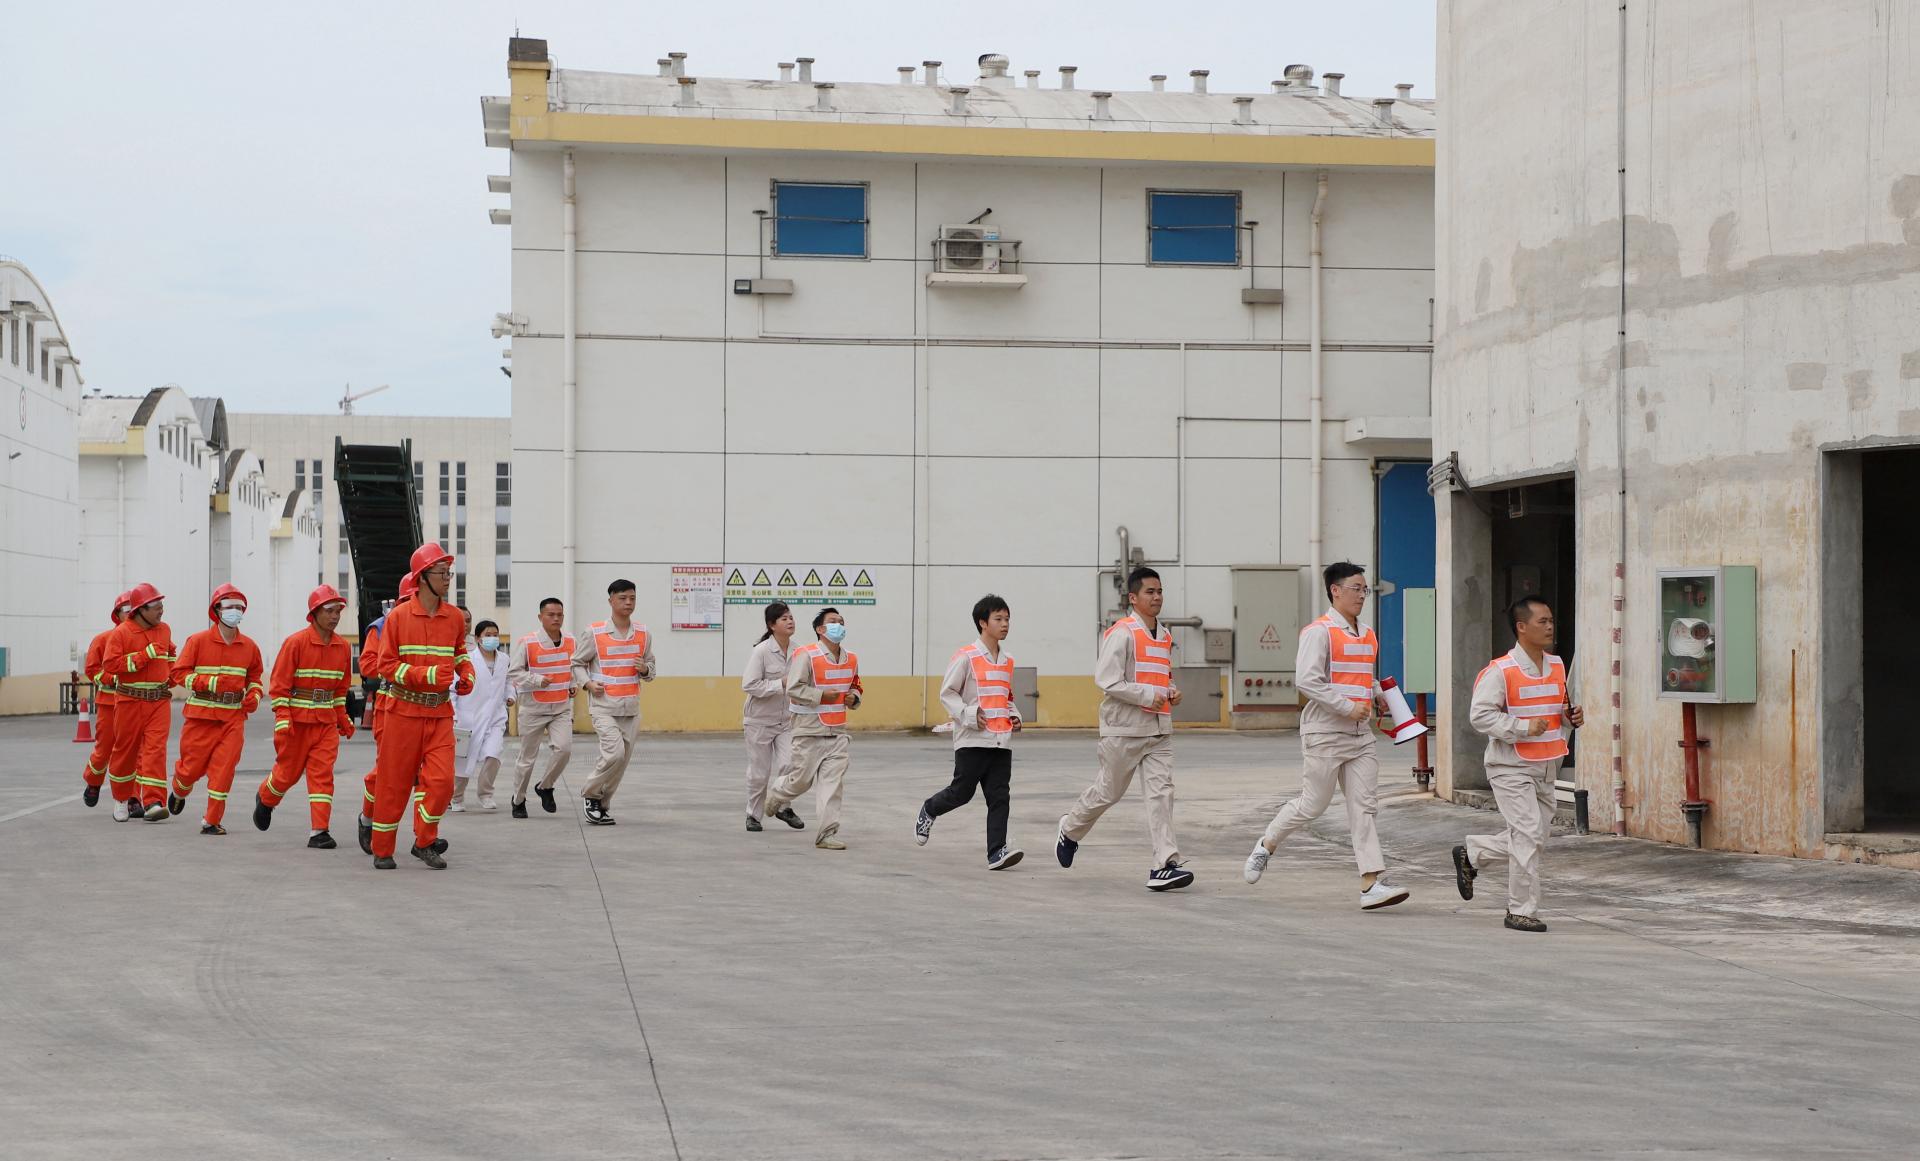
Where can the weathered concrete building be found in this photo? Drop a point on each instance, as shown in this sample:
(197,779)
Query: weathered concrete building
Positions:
(1678,273)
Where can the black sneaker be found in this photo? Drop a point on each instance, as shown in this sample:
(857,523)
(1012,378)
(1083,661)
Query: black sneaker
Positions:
(785,814)
(213,828)
(923,828)
(1168,878)
(1004,858)
(430,857)
(753,825)
(176,804)
(364,832)
(384,863)
(546,800)
(91,796)
(135,809)
(1463,872)
(1524,923)
(262,813)
(1064,848)
(520,809)
(438,846)
(322,841)
(595,813)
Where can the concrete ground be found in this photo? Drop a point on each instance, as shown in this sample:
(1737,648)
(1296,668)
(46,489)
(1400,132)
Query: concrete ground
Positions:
(674,987)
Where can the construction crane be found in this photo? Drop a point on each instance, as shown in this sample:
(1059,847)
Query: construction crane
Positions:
(348,395)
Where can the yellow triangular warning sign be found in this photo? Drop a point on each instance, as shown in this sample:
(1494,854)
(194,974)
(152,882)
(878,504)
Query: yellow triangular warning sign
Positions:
(863,581)
(786,577)
(761,578)
(838,578)
(737,578)
(813,577)
(1270,635)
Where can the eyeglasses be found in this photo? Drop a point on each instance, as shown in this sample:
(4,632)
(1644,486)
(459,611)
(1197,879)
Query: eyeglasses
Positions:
(1360,588)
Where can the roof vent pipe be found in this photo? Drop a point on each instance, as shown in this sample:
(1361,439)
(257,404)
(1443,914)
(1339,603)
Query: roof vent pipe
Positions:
(666,66)
(906,74)
(1332,82)
(1383,109)
(806,69)
(679,60)
(1278,86)
(1299,77)
(933,72)
(1100,112)
(1159,82)
(686,90)
(823,96)
(1243,110)
(1033,78)
(786,70)
(1405,91)
(993,68)
(1066,77)
(959,107)
(1199,80)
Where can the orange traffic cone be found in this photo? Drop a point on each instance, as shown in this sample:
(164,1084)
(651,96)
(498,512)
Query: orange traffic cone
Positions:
(84,731)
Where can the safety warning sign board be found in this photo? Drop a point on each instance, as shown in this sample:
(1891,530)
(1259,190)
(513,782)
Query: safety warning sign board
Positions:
(798,584)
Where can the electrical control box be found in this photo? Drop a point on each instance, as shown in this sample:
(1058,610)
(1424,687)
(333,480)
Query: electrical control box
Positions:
(1266,634)
(1708,640)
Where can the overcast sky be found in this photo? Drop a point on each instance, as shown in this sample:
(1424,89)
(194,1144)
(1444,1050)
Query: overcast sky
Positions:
(268,201)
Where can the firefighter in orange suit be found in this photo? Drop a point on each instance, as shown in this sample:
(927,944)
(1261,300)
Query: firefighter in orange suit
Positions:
(220,670)
(369,671)
(309,691)
(139,655)
(96,771)
(423,660)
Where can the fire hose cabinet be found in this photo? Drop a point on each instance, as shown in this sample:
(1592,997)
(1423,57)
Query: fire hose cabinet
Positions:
(1708,634)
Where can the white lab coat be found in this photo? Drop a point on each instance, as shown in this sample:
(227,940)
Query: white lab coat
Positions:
(483,713)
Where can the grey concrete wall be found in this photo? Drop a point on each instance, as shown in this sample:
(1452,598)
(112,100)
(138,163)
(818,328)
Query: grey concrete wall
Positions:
(1772,238)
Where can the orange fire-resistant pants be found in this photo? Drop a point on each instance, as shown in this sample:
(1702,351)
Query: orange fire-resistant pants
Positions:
(308,748)
(96,772)
(210,749)
(138,764)
(412,747)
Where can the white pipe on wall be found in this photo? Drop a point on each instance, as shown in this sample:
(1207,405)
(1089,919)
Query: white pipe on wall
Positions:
(568,387)
(1315,536)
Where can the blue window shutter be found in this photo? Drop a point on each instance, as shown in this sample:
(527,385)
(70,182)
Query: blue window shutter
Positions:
(1194,228)
(820,220)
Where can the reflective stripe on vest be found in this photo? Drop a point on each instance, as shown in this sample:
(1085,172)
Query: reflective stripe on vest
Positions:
(554,664)
(994,680)
(833,679)
(1350,659)
(1531,697)
(1152,656)
(619,665)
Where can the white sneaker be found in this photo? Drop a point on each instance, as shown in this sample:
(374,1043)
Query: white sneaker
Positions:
(488,804)
(458,807)
(1257,861)
(1381,895)
(119,810)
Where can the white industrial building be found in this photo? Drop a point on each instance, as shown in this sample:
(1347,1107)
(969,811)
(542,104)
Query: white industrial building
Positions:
(39,496)
(463,470)
(954,335)
(1678,273)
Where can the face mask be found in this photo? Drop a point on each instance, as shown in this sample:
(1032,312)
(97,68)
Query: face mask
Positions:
(489,643)
(230,617)
(835,632)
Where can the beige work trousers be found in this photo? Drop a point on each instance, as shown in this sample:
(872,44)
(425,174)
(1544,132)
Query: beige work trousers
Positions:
(616,735)
(769,752)
(1525,795)
(1347,763)
(817,759)
(554,729)
(1120,758)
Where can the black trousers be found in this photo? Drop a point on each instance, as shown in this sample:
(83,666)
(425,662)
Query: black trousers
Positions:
(990,768)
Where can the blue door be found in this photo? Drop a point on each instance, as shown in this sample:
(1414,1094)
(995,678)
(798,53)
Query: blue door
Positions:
(1406,531)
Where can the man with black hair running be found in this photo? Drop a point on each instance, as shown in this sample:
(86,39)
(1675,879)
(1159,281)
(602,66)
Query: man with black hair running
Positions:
(978,695)
(611,661)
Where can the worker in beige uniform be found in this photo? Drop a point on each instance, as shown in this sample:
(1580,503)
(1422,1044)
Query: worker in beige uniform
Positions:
(610,662)
(1334,668)
(542,671)
(765,719)
(1135,675)
(823,683)
(1520,703)
(977,693)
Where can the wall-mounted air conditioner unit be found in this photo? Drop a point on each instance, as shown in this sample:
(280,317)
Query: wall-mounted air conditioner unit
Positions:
(971,249)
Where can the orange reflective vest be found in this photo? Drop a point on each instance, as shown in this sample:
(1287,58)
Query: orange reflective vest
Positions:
(1350,659)
(1531,697)
(1152,656)
(554,665)
(833,679)
(994,680)
(618,667)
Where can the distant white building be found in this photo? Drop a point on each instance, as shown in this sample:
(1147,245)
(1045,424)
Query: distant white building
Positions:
(955,335)
(296,542)
(39,497)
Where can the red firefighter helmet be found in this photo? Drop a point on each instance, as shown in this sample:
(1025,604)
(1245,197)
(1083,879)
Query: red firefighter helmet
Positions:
(425,557)
(324,595)
(224,593)
(121,608)
(142,595)
(409,585)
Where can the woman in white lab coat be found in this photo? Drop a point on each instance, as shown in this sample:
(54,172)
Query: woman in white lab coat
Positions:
(483,715)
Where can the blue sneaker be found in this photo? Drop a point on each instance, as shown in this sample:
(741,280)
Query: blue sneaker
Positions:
(1064,848)
(923,827)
